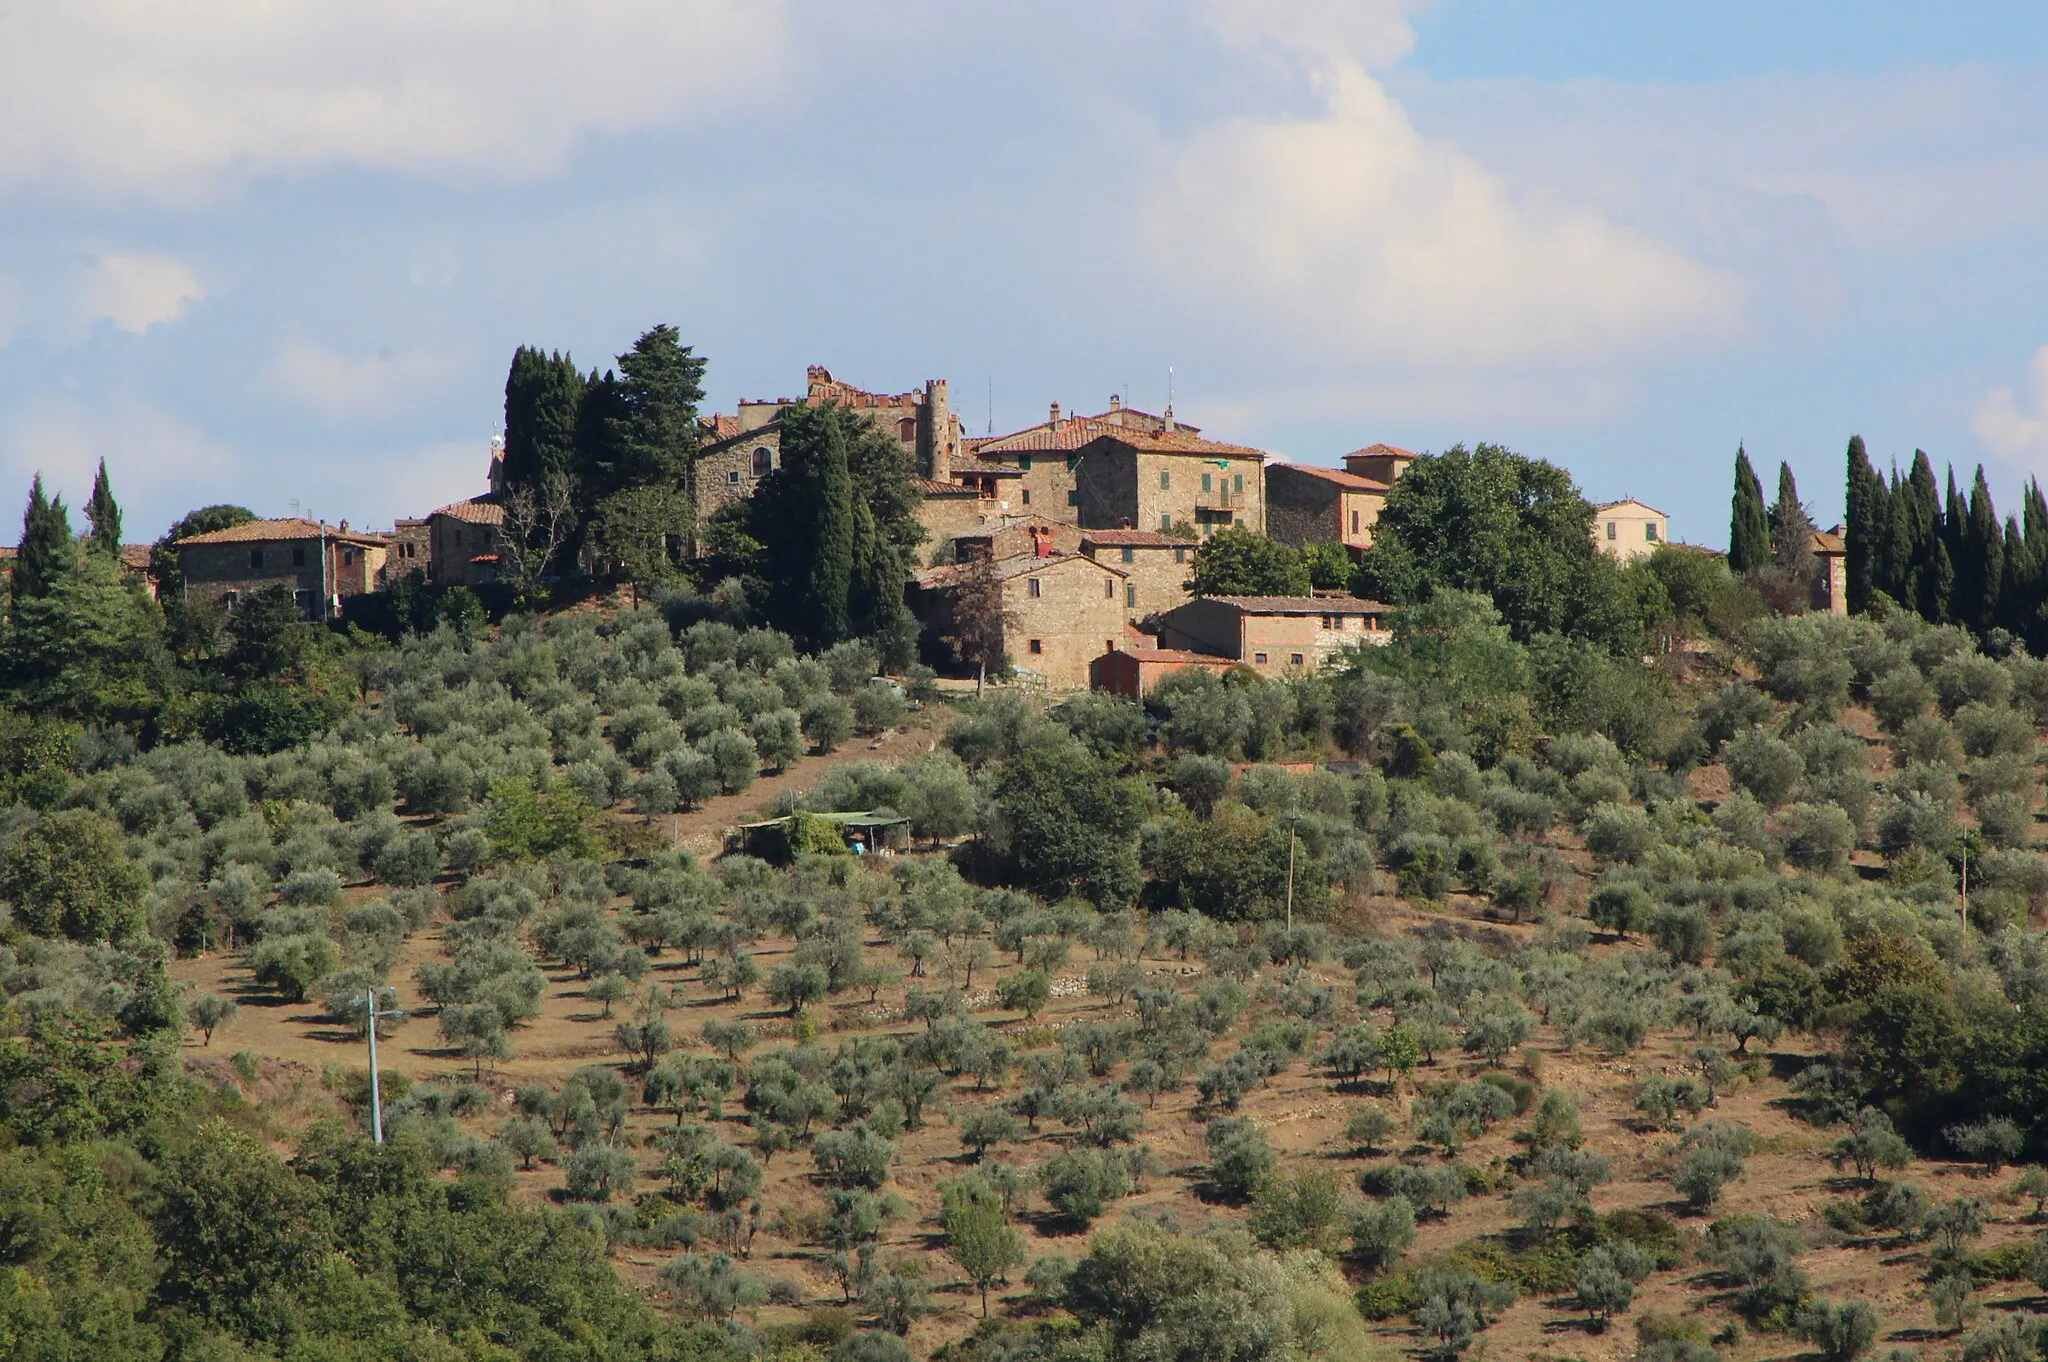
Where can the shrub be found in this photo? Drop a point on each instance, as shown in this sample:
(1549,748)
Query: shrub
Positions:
(1818,837)
(1766,767)
(1619,832)
(1841,1332)
(1239,1156)
(1080,1182)
(1382,1232)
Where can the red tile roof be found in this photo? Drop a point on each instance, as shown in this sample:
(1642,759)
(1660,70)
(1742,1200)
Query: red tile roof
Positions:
(1137,539)
(1015,565)
(1178,655)
(1176,442)
(1382,451)
(1070,434)
(1829,542)
(1304,605)
(931,488)
(273,531)
(1350,482)
(985,469)
(476,511)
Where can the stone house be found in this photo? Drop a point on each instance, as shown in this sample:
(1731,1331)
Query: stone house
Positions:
(1044,460)
(1379,463)
(411,549)
(1135,671)
(464,540)
(1628,529)
(1831,571)
(321,563)
(1310,505)
(1012,536)
(1060,611)
(1156,567)
(1159,480)
(1275,634)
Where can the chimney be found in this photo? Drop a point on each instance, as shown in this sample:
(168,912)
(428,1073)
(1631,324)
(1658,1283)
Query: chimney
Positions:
(1041,542)
(1116,402)
(1055,416)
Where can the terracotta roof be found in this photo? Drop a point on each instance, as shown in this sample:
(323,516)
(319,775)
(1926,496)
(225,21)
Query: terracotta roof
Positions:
(1070,434)
(720,426)
(1381,451)
(1181,655)
(136,556)
(476,511)
(1136,539)
(1350,482)
(1304,605)
(766,430)
(1626,501)
(1829,542)
(272,531)
(1175,442)
(932,488)
(983,467)
(1016,565)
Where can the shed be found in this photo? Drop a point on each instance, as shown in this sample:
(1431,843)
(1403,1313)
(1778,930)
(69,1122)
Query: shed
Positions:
(774,839)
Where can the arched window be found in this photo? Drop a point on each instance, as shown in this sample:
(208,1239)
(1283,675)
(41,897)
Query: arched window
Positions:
(764,461)
(906,430)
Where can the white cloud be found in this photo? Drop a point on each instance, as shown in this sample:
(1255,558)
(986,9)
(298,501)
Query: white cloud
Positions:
(112,95)
(343,385)
(2014,425)
(136,292)
(156,460)
(1352,227)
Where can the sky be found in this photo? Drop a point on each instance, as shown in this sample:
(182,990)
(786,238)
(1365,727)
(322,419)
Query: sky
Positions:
(280,254)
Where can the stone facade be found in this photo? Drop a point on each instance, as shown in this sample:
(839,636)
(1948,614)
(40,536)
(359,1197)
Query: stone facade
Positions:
(1628,529)
(1379,463)
(1160,480)
(1044,459)
(1275,634)
(411,549)
(464,540)
(226,565)
(1308,505)
(1010,537)
(1060,613)
(1156,567)
(1831,571)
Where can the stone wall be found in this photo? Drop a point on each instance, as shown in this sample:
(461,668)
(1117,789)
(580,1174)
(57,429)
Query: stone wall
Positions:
(1155,576)
(456,543)
(228,572)
(1077,615)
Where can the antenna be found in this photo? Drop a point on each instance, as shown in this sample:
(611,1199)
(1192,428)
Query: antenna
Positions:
(1169,390)
(991,405)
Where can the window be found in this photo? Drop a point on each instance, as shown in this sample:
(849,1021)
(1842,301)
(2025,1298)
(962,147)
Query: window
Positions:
(1205,482)
(1180,555)
(1108,589)
(256,559)
(1650,531)
(1037,645)
(1129,553)
(1165,480)
(1073,498)
(1131,597)
(348,557)
(1024,463)
(1165,521)
(1610,529)
(1295,658)
(1238,479)
(1027,496)
(298,557)
(1073,462)
(732,475)
(764,461)
(1354,522)
(906,430)
(1259,658)
(1036,589)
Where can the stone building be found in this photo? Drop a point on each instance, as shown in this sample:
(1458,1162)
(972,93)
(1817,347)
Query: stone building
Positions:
(1310,505)
(464,540)
(411,549)
(1628,529)
(1044,459)
(1156,567)
(1135,671)
(1059,611)
(322,564)
(1379,463)
(1275,633)
(1014,536)
(1831,571)
(1168,479)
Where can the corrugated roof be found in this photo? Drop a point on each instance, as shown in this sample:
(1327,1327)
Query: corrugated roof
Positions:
(476,511)
(1350,482)
(273,531)
(1304,605)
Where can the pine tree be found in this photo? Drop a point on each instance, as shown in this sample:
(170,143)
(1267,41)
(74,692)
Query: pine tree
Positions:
(46,551)
(1749,528)
(654,431)
(1868,526)
(1984,552)
(105,514)
(543,395)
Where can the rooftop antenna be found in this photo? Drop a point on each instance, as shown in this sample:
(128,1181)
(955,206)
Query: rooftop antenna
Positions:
(991,405)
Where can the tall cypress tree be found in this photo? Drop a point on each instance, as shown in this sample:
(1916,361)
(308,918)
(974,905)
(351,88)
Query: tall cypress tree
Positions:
(1791,526)
(1955,530)
(1868,526)
(1984,554)
(46,548)
(543,393)
(2015,581)
(1749,525)
(105,514)
(1933,572)
(806,517)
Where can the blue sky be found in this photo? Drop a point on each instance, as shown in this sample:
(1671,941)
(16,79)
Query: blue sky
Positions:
(281,253)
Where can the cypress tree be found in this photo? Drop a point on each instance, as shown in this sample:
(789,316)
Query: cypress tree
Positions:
(1984,552)
(1955,537)
(46,548)
(1791,527)
(1933,573)
(2014,581)
(1749,528)
(1868,527)
(543,395)
(105,514)
(805,516)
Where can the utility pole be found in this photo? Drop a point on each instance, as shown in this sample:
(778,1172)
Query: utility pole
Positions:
(1966,884)
(369,1002)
